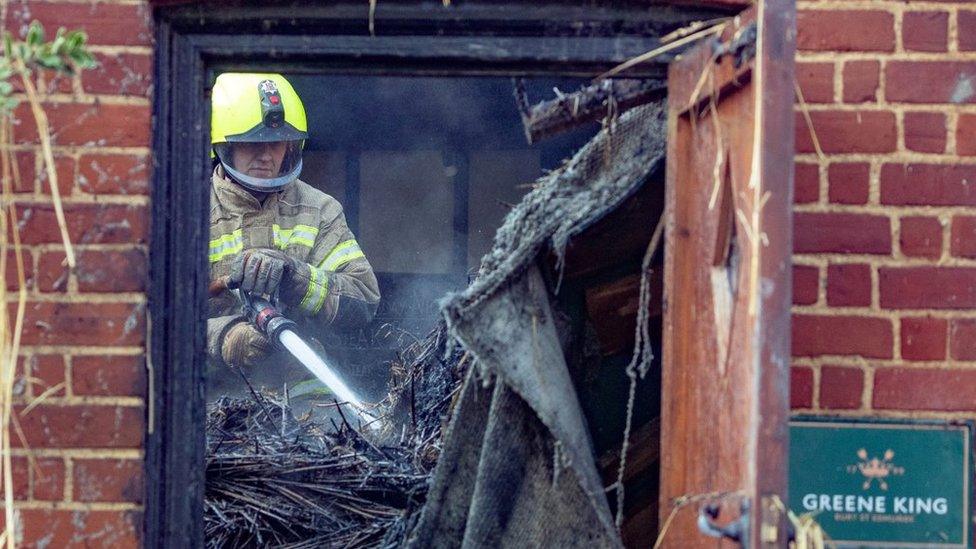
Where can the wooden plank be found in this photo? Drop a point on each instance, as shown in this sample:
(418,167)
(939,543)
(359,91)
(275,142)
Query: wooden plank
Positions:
(640,528)
(725,381)
(735,4)
(416,29)
(473,17)
(708,76)
(589,104)
(453,55)
(177,301)
(645,451)
(612,309)
(775,63)
(706,405)
(157,458)
(640,512)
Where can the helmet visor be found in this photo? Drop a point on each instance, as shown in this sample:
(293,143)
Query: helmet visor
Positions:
(265,165)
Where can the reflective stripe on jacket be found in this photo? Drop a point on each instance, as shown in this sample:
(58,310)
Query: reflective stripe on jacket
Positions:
(338,289)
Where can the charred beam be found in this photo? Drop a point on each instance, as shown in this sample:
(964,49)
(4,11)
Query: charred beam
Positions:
(590,103)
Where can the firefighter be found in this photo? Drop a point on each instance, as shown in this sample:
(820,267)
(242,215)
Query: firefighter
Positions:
(270,233)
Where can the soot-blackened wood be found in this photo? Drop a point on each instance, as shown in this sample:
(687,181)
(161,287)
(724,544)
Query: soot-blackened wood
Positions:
(727,4)
(593,102)
(431,55)
(180,202)
(484,18)
(156,495)
(725,407)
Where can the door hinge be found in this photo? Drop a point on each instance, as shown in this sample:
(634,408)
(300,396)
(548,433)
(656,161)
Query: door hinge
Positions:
(742,46)
(737,530)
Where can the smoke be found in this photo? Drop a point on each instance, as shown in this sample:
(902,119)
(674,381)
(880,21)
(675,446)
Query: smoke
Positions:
(426,169)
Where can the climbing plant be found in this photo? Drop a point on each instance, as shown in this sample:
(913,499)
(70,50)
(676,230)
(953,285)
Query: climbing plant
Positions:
(66,53)
(22,60)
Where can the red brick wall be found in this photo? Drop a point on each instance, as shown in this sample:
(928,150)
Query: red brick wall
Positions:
(85,330)
(885,235)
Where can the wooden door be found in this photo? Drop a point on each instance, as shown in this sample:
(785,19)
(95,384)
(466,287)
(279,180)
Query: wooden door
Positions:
(728,278)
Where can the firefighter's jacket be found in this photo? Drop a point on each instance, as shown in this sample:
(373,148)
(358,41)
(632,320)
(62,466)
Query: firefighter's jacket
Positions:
(337,292)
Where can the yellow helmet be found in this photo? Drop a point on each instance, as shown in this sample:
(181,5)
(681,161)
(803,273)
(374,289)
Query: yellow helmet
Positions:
(259,115)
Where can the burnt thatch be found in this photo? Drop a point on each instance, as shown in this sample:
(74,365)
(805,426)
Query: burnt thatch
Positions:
(274,479)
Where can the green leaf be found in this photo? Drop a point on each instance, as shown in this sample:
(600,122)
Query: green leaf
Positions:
(6,71)
(58,44)
(6,88)
(23,52)
(35,34)
(64,54)
(9,103)
(50,61)
(75,40)
(83,59)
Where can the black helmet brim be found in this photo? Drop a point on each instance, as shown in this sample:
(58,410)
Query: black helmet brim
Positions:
(266,134)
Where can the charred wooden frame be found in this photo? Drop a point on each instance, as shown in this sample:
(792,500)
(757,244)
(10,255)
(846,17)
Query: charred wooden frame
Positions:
(193,42)
(593,102)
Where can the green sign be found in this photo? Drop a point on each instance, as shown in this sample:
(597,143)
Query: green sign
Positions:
(883,484)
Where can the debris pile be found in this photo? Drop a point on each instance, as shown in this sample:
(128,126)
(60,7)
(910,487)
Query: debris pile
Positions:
(274,479)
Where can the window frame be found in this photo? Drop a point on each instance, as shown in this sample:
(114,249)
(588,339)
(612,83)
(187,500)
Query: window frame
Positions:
(194,42)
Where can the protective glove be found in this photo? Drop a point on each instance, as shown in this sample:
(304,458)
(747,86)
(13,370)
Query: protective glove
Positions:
(261,271)
(244,346)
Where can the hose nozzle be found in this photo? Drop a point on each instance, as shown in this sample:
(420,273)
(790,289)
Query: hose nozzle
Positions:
(267,318)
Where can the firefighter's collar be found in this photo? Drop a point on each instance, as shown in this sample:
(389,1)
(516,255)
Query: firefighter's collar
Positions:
(235,197)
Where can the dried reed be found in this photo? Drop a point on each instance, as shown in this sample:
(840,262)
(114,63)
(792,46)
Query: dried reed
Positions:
(11,329)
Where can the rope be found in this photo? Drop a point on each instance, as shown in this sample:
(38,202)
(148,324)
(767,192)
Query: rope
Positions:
(639,362)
